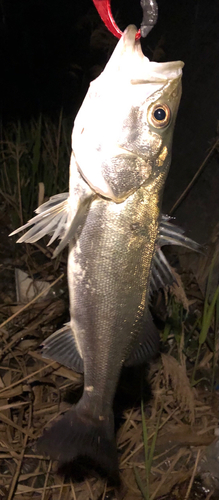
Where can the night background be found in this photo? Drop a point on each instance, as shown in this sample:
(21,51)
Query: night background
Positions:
(51,49)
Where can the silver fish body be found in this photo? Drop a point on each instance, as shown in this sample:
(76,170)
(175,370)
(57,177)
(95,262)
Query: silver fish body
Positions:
(109,291)
(109,267)
(121,152)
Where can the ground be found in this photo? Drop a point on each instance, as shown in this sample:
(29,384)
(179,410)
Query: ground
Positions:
(179,416)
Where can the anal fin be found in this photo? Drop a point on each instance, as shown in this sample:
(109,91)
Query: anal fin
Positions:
(61,347)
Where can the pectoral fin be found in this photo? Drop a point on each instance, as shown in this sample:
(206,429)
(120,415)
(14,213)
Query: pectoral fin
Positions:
(53,218)
(161,273)
(76,222)
(174,235)
(61,347)
(168,234)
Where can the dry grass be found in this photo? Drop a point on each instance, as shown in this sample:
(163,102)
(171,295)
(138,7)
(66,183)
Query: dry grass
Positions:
(31,396)
(32,393)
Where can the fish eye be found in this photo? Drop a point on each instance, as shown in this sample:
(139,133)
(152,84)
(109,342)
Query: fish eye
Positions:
(159,115)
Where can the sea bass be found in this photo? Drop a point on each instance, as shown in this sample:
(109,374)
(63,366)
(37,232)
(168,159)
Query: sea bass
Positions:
(121,153)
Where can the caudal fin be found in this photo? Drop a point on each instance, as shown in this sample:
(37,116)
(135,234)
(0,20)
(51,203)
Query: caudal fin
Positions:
(77,434)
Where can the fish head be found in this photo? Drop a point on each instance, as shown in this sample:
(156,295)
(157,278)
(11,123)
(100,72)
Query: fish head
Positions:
(122,135)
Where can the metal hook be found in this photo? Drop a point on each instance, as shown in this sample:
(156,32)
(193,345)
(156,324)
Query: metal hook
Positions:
(150,13)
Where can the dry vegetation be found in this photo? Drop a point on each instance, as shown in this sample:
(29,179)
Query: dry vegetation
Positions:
(162,443)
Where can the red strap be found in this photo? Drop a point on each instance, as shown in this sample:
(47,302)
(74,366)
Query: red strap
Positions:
(104,9)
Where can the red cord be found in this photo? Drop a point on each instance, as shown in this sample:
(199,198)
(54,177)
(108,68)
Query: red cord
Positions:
(104,9)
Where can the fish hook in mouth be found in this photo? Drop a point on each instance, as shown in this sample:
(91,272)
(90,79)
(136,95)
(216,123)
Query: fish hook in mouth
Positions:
(150,14)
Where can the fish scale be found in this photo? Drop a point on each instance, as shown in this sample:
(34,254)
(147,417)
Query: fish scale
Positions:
(120,252)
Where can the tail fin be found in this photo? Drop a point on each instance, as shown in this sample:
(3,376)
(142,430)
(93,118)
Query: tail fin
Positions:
(77,434)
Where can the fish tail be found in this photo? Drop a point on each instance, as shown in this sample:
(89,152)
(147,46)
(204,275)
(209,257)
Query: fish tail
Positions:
(79,434)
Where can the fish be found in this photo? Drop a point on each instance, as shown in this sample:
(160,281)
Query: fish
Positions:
(111,221)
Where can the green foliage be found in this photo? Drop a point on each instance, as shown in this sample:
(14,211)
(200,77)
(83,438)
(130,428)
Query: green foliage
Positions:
(174,321)
(148,451)
(210,311)
(182,329)
(199,330)
(33,152)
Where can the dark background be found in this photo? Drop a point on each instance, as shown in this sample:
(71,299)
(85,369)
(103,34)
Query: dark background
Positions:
(51,49)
